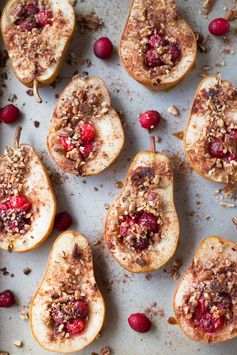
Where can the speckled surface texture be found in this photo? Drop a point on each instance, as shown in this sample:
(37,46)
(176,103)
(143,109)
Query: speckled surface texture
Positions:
(86,198)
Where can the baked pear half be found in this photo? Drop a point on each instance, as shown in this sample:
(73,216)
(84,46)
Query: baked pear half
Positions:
(142,227)
(211,134)
(36,35)
(27,202)
(205,302)
(157,48)
(86,134)
(67,311)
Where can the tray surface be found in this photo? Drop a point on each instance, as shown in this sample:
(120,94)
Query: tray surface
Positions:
(86,198)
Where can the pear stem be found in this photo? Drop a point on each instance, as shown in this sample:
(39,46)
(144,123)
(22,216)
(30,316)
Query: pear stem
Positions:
(153,144)
(36,92)
(17,137)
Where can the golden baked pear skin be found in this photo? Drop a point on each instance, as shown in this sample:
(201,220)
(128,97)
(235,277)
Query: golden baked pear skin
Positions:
(142,227)
(67,311)
(157,48)
(210,137)
(205,301)
(37,39)
(86,134)
(27,202)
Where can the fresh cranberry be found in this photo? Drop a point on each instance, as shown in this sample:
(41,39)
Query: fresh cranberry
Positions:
(87,132)
(152,59)
(148,220)
(66,143)
(82,308)
(76,326)
(63,220)
(231,157)
(103,48)
(201,309)
(44,17)
(175,52)
(139,322)
(27,24)
(210,324)
(149,119)
(7,299)
(233,134)
(5,206)
(156,40)
(219,27)
(125,226)
(141,244)
(86,149)
(31,9)
(9,113)
(20,202)
(216,148)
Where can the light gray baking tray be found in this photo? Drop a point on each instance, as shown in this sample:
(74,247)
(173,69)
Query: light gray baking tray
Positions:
(124,293)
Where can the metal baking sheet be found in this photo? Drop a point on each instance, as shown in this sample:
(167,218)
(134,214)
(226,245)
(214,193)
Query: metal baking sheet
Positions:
(86,198)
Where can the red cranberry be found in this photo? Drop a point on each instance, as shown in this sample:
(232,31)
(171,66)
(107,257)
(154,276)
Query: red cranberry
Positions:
(233,134)
(58,317)
(66,143)
(103,48)
(216,148)
(148,220)
(20,202)
(63,220)
(149,119)
(175,52)
(82,308)
(9,113)
(141,244)
(219,27)
(139,322)
(44,17)
(86,149)
(31,9)
(156,40)
(76,326)
(87,132)
(27,24)
(231,157)
(5,206)
(201,309)
(210,324)
(125,226)
(7,299)
(152,59)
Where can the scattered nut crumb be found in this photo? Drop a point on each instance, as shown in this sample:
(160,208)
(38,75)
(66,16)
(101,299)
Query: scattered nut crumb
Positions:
(207,6)
(4,353)
(24,313)
(37,124)
(18,343)
(173,110)
(105,351)
(107,206)
(26,271)
(231,14)
(226,204)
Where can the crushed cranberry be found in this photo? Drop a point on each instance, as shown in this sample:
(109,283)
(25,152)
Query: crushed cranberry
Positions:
(103,48)
(210,324)
(7,299)
(233,134)
(201,309)
(231,157)
(139,322)
(57,317)
(18,202)
(44,17)
(152,59)
(140,244)
(219,27)
(82,308)
(27,24)
(175,52)
(86,149)
(63,220)
(66,143)
(215,148)
(125,226)
(76,326)
(87,132)
(156,40)
(9,113)
(150,119)
(148,220)
(31,9)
